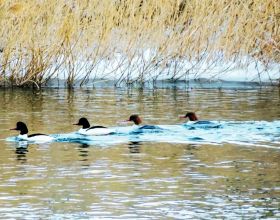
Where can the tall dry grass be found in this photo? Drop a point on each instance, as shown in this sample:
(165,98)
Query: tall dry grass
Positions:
(138,39)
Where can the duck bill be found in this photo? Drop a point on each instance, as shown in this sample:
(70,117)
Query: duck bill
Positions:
(13,129)
(124,122)
(182,116)
(76,124)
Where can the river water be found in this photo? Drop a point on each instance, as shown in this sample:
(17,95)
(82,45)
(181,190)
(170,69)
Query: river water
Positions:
(180,171)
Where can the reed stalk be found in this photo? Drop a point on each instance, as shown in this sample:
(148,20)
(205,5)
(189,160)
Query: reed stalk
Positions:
(132,40)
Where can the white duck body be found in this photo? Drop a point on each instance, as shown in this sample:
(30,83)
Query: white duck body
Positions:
(41,138)
(36,138)
(96,130)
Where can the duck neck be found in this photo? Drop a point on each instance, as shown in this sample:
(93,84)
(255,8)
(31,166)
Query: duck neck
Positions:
(24,131)
(86,125)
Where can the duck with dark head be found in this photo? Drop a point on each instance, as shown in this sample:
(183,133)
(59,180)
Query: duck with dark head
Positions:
(38,137)
(199,124)
(191,116)
(92,130)
(135,118)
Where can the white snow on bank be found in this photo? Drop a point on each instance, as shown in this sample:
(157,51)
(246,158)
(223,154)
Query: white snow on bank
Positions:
(149,66)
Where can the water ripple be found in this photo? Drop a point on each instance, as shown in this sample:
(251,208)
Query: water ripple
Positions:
(246,133)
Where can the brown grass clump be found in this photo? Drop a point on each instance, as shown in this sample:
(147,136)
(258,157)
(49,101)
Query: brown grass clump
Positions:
(16,8)
(139,40)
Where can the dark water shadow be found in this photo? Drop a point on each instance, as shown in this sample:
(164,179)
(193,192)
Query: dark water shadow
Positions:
(84,154)
(83,149)
(21,152)
(134,147)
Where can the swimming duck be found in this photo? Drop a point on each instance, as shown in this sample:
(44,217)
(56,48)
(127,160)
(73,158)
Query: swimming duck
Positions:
(135,118)
(94,130)
(137,121)
(20,126)
(199,124)
(191,115)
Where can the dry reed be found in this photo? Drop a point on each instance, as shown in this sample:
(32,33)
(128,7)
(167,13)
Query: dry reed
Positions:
(138,39)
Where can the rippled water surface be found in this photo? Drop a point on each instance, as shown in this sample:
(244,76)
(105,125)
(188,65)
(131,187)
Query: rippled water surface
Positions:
(181,171)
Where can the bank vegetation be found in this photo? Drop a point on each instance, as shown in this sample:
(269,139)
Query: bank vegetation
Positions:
(133,41)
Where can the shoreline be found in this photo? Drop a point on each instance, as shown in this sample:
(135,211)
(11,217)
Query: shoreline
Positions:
(200,83)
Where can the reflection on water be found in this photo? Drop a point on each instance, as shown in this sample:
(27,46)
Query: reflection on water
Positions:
(83,151)
(135,179)
(21,153)
(134,147)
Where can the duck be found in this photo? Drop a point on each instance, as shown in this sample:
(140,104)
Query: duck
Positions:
(138,121)
(191,116)
(94,130)
(38,137)
(198,123)
(135,119)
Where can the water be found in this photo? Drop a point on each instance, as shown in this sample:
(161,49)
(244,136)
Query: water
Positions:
(228,172)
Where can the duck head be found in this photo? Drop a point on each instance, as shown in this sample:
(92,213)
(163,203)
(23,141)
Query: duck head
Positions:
(135,118)
(83,122)
(191,115)
(21,127)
